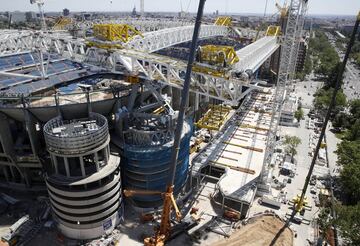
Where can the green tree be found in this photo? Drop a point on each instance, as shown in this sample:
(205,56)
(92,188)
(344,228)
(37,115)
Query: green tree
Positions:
(341,120)
(323,98)
(355,109)
(349,159)
(354,131)
(299,114)
(291,143)
(348,152)
(350,182)
(324,221)
(348,221)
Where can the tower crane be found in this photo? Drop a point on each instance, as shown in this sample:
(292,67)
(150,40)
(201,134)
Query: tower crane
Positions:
(42,69)
(40,4)
(293,30)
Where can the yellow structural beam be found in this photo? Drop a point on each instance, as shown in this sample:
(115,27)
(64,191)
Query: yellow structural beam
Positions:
(253,127)
(214,118)
(273,31)
(223,21)
(61,23)
(236,168)
(244,146)
(115,32)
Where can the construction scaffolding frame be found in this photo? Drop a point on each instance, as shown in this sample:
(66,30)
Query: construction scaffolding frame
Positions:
(289,46)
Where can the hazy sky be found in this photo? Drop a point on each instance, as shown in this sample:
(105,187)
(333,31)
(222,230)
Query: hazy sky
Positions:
(334,7)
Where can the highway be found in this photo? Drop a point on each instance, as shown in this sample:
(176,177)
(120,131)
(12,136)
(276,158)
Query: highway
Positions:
(351,85)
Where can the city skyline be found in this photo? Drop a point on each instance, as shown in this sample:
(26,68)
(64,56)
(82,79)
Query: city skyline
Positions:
(316,7)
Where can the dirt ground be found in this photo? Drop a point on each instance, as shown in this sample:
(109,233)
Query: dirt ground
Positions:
(260,231)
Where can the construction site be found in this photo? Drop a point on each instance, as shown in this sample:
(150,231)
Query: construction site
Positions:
(144,131)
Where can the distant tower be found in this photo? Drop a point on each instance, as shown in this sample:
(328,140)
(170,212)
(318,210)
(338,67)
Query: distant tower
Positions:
(142,7)
(134,14)
(66,12)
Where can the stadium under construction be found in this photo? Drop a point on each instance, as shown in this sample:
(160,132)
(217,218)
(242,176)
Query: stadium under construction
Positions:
(91,120)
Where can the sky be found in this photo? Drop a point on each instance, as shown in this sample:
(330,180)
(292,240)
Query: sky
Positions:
(323,7)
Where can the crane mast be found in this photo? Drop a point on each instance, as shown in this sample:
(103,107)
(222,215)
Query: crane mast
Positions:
(298,37)
(288,55)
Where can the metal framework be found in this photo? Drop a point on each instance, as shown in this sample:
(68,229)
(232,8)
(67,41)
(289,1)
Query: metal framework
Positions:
(171,72)
(137,60)
(154,41)
(254,55)
(287,47)
(143,25)
(115,32)
(298,38)
(223,21)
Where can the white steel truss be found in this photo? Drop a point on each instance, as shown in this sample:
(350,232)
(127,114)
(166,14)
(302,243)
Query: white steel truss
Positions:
(154,41)
(254,55)
(165,70)
(171,72)
(143,24)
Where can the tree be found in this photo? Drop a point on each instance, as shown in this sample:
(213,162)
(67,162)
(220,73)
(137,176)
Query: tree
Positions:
(323,98)
(348,221)
(324,221)
(354,131)
(291,143)
(350,182)
(332,76)
(341,120)
(355,109)
(349,159)
(348,152)
(299,114)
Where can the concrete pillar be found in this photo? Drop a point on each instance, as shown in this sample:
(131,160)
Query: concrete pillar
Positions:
(6,139)
(96,160)
(83,173)
(55,163)
(26,177)
(30,123)
(106,157)
(66,163)
(197,101)
(13,174)
(6,173)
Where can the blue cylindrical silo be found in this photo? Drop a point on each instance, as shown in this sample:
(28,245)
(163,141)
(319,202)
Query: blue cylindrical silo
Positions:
(147,167)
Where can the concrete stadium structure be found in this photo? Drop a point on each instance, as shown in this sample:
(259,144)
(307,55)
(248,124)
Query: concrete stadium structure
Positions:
(84,181)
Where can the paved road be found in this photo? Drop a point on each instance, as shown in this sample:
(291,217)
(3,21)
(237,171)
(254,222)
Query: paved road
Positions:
(351,85)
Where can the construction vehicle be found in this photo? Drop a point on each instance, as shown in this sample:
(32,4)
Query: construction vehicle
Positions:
(162,233)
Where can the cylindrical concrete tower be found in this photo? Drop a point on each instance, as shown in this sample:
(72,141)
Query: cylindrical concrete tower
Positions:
(84,181)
